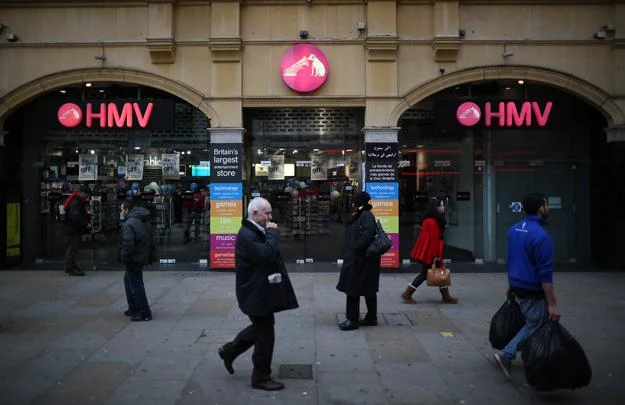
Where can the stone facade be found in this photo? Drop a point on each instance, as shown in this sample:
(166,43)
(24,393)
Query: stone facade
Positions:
(386,56)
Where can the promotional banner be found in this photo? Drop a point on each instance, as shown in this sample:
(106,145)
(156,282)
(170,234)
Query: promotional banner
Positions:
(318,167)
(134,167)
(171,166)
(276,169)
(352,166)
(381,183)
(87,167)
(226,194)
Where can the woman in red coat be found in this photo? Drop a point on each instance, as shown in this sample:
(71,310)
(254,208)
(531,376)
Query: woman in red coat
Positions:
(428,248)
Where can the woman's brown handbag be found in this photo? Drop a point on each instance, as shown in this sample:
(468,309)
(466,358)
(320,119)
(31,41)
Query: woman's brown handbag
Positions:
(438,276)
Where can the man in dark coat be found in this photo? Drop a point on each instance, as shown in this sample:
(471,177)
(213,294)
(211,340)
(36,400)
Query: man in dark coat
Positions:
(263,288)
(76,224)
(135,252)
(360,274)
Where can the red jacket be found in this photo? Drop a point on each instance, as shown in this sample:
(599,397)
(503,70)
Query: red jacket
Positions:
(429,244)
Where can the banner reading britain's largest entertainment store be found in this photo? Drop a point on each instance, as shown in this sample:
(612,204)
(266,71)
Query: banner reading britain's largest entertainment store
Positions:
(226,205)
(381,183)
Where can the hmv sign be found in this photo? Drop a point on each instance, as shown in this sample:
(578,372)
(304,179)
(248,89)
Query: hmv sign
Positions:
(504,114)
(110,115)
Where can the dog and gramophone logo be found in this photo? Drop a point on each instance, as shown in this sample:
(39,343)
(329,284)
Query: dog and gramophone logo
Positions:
(304,68)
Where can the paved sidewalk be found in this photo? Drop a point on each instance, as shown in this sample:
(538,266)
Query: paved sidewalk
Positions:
(65,340)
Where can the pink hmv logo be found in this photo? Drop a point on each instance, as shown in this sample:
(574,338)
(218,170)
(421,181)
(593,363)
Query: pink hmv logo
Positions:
(69,115)
(504,114)
(304,68)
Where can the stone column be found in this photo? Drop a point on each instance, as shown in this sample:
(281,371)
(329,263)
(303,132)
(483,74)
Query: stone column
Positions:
(380,181)
(226,194)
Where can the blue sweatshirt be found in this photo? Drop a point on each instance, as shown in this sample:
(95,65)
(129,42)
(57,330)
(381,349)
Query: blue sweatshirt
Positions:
(530,254)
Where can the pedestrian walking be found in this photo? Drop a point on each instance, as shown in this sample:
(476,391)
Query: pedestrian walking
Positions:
(262,288)
(360,274)
(136,247)
(428,249)
(77,223)
(530,274)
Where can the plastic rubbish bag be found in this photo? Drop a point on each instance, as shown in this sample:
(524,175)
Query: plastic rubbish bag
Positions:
(506,323)
(555,360)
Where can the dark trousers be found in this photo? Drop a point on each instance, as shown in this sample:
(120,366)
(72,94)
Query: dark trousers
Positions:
(261,335)
(421,277)
(352,310)
(135,290)
(72,244)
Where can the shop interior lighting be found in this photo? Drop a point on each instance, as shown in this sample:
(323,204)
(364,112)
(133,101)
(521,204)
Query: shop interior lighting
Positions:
(521,82)
(294,151)
(92,152)
(88,84)
(137,147)
(62,91)
(260,152)
(188,152)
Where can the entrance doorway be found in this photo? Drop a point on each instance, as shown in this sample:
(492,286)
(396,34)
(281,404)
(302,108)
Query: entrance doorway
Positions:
(307,163)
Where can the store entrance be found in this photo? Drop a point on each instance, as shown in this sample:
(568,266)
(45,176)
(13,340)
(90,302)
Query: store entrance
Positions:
(307,163)
(164,168)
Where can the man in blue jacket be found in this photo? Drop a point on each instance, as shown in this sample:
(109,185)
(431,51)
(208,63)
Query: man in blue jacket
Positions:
(530,274)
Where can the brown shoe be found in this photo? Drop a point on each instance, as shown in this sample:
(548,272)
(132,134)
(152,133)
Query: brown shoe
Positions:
(447,298)
(268,385)
(407,295)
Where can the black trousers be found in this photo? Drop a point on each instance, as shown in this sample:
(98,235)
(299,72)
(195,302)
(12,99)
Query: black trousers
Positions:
(72,244)
(352,310)
(135,290)
(261,335)
(421,277)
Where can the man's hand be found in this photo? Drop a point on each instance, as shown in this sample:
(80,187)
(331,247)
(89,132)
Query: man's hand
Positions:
(271,225)
(554,312)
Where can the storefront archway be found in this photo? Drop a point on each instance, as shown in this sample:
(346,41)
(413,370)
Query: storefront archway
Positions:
(23,94)
(562,81)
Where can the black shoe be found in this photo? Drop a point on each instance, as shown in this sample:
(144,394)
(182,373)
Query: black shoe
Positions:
(227,360)
(348,325)
(129,312)
(368,322)
(75,272)
(140,317)
(268,385)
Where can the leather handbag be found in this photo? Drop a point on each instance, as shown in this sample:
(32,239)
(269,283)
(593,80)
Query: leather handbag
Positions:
(438,275)
(381,244)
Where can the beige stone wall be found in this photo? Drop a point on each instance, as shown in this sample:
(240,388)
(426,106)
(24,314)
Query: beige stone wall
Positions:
(225,54)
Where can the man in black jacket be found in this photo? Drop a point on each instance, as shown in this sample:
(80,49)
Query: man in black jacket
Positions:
(263,288)
(76,224)
(135,248)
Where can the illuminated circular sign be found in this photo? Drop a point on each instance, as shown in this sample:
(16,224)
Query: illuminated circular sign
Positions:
(69,115)
(304,68)
(468,114)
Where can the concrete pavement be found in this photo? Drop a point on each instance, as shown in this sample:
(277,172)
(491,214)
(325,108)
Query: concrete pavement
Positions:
(65,340)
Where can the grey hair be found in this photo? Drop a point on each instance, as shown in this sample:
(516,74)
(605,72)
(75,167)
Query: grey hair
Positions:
(255,204)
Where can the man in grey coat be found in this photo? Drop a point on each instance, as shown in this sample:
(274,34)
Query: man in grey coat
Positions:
(135,251)
(263,288)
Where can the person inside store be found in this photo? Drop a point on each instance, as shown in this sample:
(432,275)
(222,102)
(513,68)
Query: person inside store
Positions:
(262,289)
(530,274)
(196,209)
(428,249)
(77,223)
(360,274)
(135,251)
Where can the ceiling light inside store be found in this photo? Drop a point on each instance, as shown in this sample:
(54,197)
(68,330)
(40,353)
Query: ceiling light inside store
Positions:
(92,151)
(294,151)
(260,152)
(62,91)
(101,91)
(188,152)
(521,82)
(88,84)
(137,147)
(315,150)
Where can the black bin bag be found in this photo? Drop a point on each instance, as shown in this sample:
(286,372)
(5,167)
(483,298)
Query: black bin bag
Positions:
(555,360)
(506,323)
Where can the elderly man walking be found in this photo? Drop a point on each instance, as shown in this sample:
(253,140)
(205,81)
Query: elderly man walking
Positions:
(262,288)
